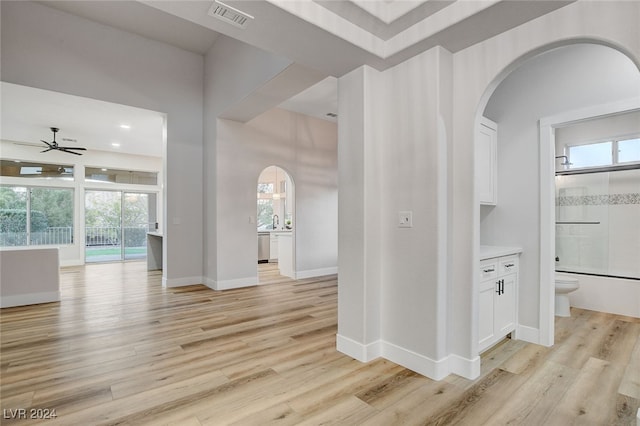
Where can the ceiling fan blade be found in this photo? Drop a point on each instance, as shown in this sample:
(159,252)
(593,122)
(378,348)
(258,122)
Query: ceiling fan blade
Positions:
(47,143)
(47,150)
(67,151)
(72,147)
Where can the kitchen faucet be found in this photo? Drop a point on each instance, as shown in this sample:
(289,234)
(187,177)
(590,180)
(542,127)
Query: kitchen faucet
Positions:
(275,221)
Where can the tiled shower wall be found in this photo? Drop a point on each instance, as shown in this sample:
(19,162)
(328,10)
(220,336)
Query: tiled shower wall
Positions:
(603,233)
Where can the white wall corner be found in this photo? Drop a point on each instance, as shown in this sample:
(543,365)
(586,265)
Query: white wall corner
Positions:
(29,299)
(464,367)
(357,350)
(436,370)
(181,282)
(231,284)
(313,273)
(528,334)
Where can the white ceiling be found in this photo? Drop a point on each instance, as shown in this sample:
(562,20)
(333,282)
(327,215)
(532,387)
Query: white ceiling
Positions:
(29,113)
(329,36)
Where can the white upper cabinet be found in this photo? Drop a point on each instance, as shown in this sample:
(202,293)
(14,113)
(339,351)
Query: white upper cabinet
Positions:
(486,173)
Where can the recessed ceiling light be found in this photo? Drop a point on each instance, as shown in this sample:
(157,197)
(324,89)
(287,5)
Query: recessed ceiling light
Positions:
(104,170)
(16,161)
(125,126)
(115,144)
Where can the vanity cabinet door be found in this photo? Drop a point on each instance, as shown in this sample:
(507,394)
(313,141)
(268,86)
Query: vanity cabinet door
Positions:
(505,306)
(486,312)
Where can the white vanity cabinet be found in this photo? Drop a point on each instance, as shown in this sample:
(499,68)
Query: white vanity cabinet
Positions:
(486,161)
(498,296)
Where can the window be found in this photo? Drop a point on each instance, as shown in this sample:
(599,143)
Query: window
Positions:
(591,155)
(629,150)
(25,169)
(35,216)
(600,154)
(95,174)
(265,214)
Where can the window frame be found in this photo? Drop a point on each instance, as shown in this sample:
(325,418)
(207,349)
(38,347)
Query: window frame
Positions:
(614,151)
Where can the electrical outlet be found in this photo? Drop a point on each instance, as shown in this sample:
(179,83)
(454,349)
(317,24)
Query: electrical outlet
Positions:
(405,219)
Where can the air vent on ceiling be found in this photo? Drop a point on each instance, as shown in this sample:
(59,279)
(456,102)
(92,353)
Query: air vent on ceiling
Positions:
(229,14)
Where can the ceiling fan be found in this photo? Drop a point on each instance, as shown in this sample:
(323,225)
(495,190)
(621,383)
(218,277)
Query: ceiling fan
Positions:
(53,145)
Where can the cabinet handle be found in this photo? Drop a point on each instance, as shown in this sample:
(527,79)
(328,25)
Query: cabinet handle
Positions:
(509,265)
(488,270)
(500,284)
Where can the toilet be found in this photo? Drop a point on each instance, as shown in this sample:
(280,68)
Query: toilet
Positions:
(565,284)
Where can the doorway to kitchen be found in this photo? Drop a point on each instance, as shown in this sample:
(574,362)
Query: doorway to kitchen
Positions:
(116,225)
(275,223)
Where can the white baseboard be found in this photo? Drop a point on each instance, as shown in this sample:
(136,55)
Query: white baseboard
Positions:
(29,299)
(528,334)
(75,262)
(181,282)
(231,284)
(436,370)
(356,350)
(312,273)
(464,367)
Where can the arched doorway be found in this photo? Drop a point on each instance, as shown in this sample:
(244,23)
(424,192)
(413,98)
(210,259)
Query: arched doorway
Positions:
(275,210)
(549,82)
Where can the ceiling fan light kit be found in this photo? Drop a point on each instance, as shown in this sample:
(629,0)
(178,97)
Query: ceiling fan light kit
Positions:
(53,145)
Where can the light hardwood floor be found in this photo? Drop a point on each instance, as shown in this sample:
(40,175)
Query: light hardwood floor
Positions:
(120,349)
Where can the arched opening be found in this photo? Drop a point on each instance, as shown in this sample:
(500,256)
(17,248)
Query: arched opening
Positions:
(275,222)
(549,82)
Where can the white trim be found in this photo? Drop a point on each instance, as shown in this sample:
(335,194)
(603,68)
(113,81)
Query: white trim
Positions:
(312,273)
(29,299)
(357,350)
(464,367)
(71,262)
(181,282)
(528,334)
(231,284)
(436,370)
(547,202)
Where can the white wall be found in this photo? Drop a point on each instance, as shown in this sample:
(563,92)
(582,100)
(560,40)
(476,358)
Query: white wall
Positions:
(393,157)
(233,70)
(306,148)
(361,132)
(563,79)
(73,254)
(53,50)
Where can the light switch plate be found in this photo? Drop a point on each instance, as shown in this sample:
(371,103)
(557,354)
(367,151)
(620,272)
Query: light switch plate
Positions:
(405,219)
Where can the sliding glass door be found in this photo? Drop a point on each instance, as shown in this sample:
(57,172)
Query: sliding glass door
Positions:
(116,225)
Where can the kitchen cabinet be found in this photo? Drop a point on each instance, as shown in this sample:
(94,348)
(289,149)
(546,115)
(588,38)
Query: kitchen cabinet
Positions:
(497,299)
(486,156)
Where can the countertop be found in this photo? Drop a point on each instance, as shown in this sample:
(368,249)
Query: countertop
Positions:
(489,252)
(154,234)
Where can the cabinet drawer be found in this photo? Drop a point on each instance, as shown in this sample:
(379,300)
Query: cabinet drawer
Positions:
(488,269)
(508,265)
